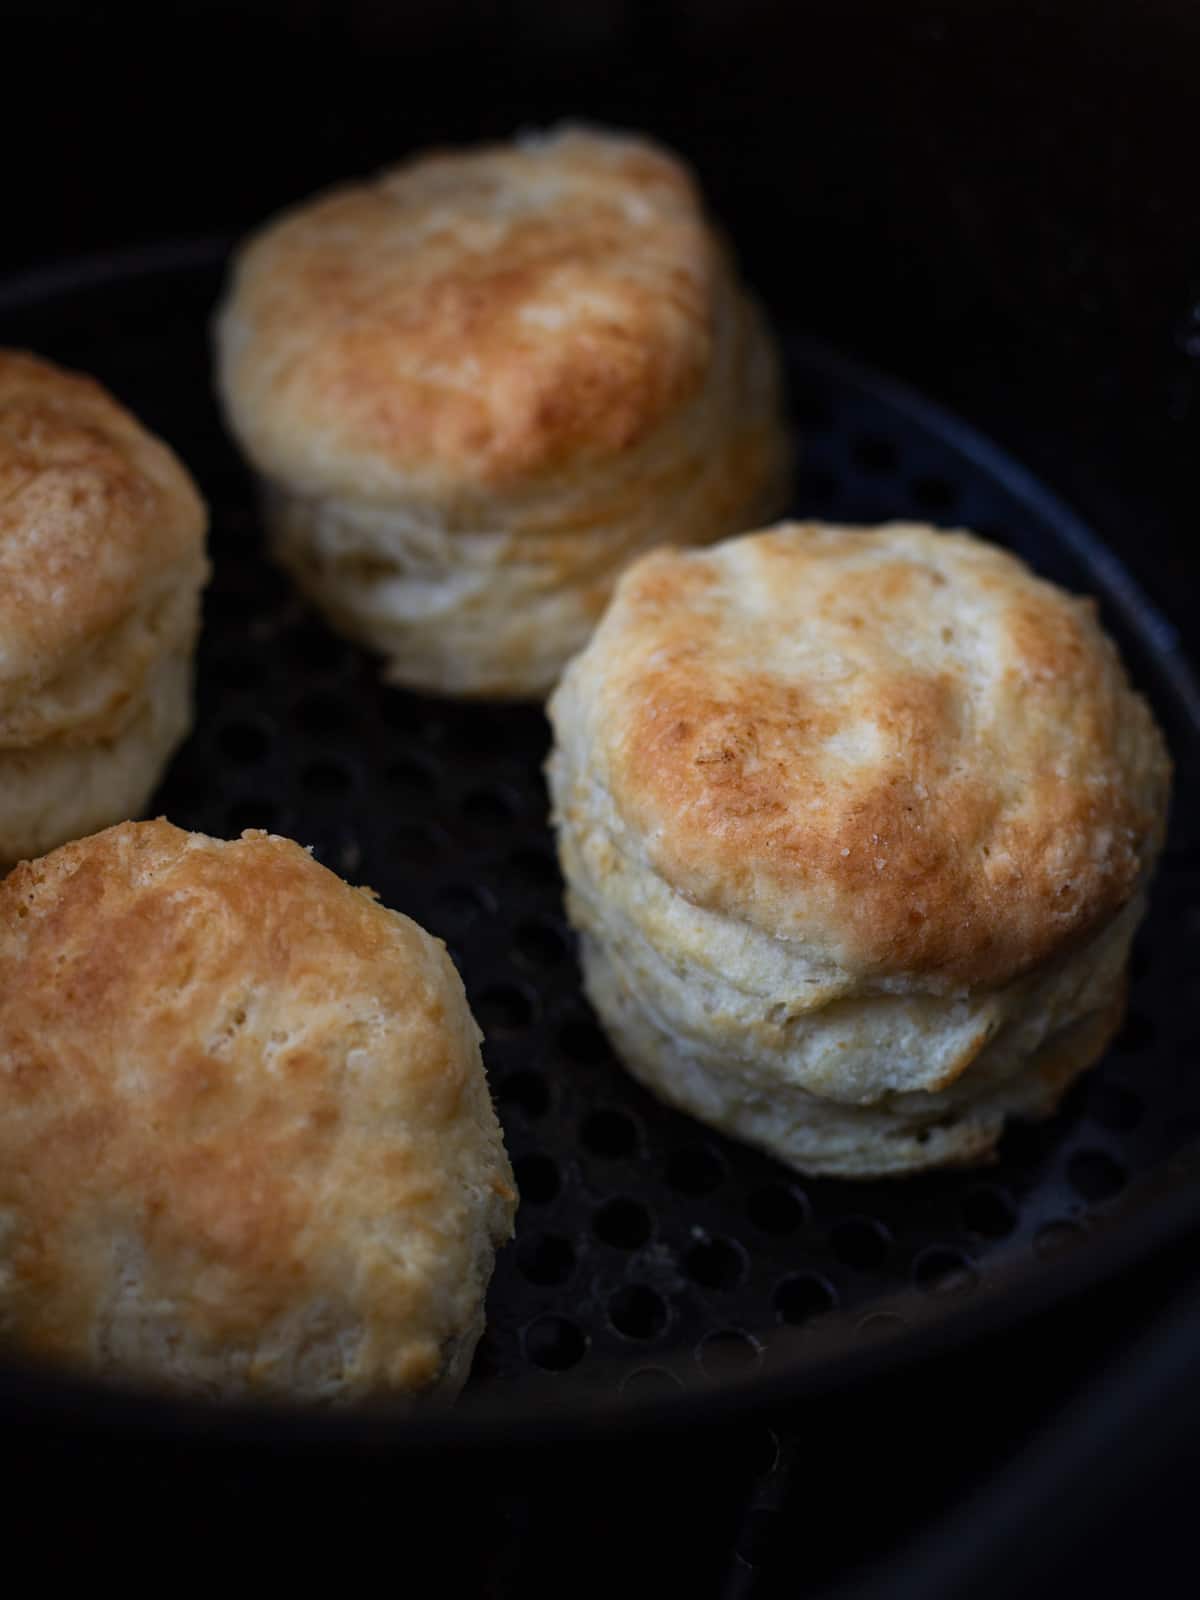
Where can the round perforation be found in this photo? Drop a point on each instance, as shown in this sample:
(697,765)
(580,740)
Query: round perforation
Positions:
(526,1091)
(504,1008)
(694,1170)
(622,1223)
(716,1264)
(860,1242)
(802,1297)
(777,1208)
(537,1179)
(638,1311)
(637,1227)
(942,1270)
(555,1344)
(1095,1175)
(611,1134)
(988,1211)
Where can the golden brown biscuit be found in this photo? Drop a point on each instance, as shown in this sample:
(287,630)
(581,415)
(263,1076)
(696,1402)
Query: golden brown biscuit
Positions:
(477,385)
(856,826)
(101,566)
(246,1143)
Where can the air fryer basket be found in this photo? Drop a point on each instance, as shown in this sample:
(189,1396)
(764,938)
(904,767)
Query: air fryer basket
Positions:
(656,1265)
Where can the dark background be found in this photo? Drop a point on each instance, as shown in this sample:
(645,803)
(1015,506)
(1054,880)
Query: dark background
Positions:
(994,200)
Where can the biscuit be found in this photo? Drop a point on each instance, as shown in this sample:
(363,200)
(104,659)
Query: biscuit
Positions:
(477,385)
(856,827)
(101,567)
(246,1141)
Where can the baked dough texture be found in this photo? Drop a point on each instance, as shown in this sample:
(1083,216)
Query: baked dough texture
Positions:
(101,566)
(856,826)
(246,1141)
(480,383)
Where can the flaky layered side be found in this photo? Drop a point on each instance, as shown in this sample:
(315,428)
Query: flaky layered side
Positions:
(66,787)
(101,567)
(246,1142)
(477,387)
(747,722)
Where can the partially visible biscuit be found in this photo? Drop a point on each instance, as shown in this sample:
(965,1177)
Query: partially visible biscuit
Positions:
(477,385)
(101,566)
(856,827)
(246,1141)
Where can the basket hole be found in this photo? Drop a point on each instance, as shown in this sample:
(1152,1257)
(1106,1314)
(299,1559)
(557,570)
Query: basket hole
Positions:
(622,1223)
(459,906)
(943,1271)
(243,742)
(537,1179)
(715,1264)
(1095,1176)
(546,1261)
(554,1344)
(503,1009)
(872,453)
(325,779)
(933,494)
(526,1091)
(650,1383)
(637,1311)
(1115,1106)
(860,1242)
(583,1042)
(1024,1143)
(989,1212)
(321,715)
(694,1170)
(801,1298)
(609,1133)
(777,1208)
(728,1353)
(539,945)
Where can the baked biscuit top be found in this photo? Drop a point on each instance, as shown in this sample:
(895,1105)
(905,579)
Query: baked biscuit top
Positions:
(95,515)
(257,1082)
(472,318)
(897,745)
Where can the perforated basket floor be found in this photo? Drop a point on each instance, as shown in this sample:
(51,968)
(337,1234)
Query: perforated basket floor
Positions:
(651,1256)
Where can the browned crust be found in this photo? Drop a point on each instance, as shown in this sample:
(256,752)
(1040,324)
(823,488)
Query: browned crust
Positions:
(485,316)
(251,1077)
(898,744)
(96,516)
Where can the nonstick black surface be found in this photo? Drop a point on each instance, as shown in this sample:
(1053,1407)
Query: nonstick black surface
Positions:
(652,1257)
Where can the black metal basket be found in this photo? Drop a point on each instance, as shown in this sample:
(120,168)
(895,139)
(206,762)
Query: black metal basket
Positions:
(659,1271)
